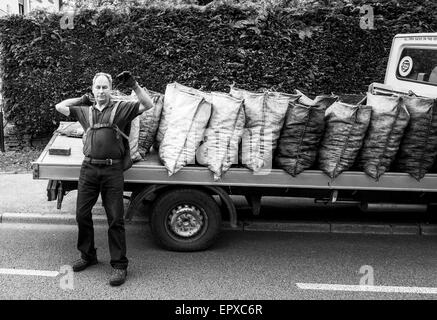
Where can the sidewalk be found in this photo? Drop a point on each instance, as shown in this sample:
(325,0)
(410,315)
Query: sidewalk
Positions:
(19,193)
(23,199)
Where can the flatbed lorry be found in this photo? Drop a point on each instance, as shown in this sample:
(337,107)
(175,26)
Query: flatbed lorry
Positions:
(187,209)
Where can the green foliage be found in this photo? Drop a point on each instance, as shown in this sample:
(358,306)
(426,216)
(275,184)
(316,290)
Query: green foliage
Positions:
(318,49)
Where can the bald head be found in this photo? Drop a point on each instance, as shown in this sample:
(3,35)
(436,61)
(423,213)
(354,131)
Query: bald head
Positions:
(105,75)
(102,85)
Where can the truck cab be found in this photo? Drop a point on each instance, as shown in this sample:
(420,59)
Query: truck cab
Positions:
(412,65)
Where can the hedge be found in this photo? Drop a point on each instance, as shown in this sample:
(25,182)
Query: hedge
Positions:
(319,50)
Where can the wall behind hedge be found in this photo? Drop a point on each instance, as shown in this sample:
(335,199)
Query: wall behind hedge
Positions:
(319,51)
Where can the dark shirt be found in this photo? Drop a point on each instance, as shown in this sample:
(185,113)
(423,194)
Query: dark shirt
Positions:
(103,143)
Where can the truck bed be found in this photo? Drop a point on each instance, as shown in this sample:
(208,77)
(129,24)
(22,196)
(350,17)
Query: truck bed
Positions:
(151,171)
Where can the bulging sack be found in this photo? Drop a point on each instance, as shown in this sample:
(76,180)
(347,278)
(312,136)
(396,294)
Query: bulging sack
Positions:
(302,132)
(418,149)
(185,128)
(389,120)
(70,129)
(219,148)
(149,122)
(133,139)
(169,104)
(346,126)
(276,104)
(265,114)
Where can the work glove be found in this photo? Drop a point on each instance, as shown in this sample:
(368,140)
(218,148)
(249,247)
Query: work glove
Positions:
(87,100)
(127,79)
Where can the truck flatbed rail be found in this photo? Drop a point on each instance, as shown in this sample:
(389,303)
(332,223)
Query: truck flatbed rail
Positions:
(151,171)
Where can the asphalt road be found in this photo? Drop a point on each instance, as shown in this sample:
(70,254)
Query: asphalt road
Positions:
(241,265)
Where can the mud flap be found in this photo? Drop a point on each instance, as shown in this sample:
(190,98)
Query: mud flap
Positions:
(61,194)
(55,192)
(52,193)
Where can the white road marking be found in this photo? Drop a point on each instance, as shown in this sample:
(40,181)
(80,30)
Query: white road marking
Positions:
(366,288)
(24,272)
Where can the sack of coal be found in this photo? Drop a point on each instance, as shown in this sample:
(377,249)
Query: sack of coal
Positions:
(219,148)
(277,105)
(346,127)
(185,129)
(389,120)
(265,115)
(169,104)
(302,132)
(149,122)
(418,149)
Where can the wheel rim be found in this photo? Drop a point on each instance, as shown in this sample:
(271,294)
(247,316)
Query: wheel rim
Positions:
(186,221)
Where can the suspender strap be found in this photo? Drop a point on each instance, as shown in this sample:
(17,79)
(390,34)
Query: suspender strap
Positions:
(120,132)
(114,110)
(106,125)
(111,120)
(90,119)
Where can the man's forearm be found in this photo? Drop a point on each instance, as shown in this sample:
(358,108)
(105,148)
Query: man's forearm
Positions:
(71,102)
(64,106)
(143,98)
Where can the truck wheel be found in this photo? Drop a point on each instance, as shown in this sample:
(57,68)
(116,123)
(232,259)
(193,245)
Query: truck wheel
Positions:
(185,220)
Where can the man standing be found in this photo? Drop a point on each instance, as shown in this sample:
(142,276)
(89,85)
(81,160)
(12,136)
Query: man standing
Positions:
(102,168)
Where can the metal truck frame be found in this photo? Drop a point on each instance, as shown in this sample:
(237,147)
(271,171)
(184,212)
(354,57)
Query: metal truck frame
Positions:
(186,209)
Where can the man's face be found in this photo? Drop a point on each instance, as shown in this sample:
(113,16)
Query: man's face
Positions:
(101,88)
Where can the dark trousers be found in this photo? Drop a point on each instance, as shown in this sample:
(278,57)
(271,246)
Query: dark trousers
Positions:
(107,180)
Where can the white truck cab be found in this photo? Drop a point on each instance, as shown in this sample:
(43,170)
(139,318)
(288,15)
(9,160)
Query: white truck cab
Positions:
(412,64)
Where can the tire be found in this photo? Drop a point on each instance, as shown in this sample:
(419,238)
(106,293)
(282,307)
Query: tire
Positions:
(185,220)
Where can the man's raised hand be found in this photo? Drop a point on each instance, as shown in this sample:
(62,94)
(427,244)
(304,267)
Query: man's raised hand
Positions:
(86,100)
(127,79)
